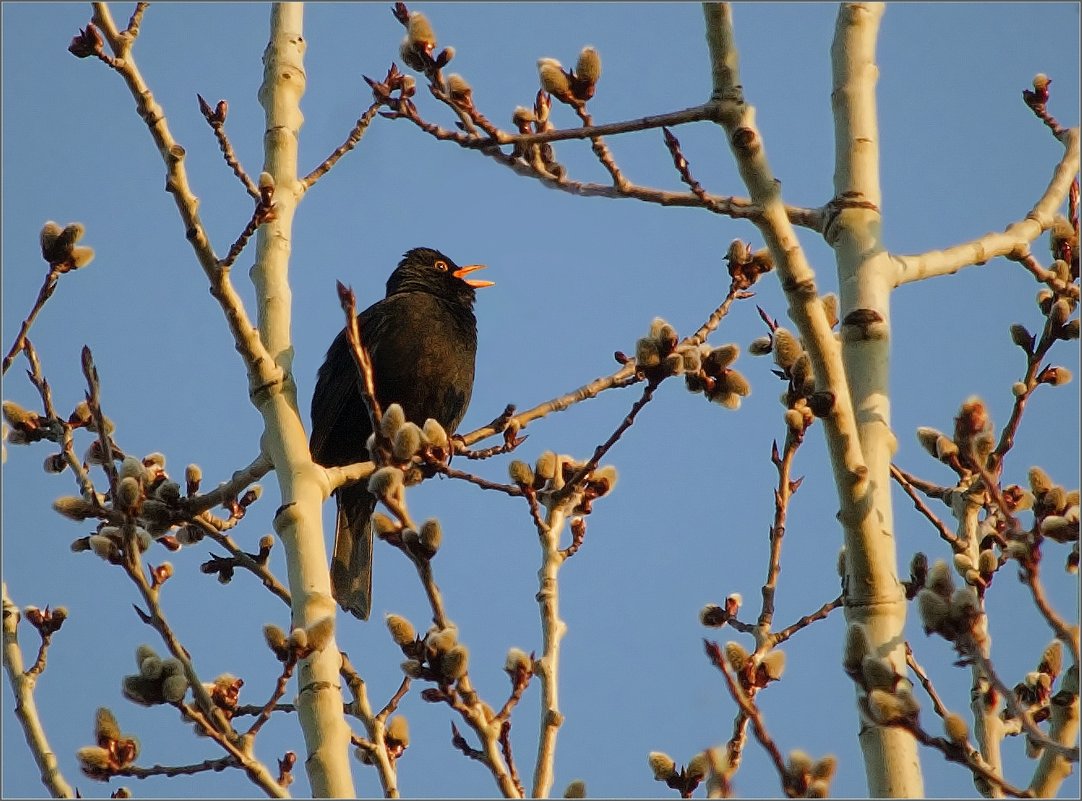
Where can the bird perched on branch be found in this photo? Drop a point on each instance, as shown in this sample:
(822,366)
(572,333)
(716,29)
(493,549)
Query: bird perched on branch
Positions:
(422,340)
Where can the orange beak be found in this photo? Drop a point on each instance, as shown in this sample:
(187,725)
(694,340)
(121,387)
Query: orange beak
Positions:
(477,283)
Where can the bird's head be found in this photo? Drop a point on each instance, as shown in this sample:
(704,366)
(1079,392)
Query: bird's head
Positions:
(428,270)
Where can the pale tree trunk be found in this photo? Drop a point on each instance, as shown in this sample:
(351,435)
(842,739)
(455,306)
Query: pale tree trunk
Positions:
(855,370)
(875,596)
(303,484)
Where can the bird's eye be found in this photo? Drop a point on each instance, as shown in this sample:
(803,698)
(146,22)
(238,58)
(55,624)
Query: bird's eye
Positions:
(440,265)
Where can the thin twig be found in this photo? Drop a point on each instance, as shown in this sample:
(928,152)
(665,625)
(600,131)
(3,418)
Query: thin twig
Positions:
(67,440)
(748,707)
(215,117)
(351,142)
(601,150)
(819,614)
(208,765)
(945,533)
(280,687)
(925,682)
(783,463)
(599,452)
(1018,709)
(366,378)
(46,292)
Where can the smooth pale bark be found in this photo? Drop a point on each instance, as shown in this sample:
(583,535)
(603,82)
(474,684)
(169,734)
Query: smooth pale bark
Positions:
(855,370)
(875,599)
(303,484)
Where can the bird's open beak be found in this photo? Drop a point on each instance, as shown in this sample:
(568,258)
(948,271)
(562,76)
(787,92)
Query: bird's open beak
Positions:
(462,272)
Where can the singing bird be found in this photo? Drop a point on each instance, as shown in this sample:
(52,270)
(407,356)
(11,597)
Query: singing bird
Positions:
(422,339)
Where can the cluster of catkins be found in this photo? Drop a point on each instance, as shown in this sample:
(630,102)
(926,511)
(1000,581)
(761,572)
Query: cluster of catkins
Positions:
(549,476)
(706,369)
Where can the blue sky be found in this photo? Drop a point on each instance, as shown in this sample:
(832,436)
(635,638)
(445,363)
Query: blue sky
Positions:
(576,279)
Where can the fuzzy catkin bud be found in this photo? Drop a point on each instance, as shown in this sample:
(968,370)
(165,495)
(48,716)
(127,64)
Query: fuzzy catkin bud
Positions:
(878,672)
(393,419)
(459,89)
(761,346)
(275,638)
(320,633)
(856,648)
(132,468)
(575,789)
(698,766)
(736,655)
(419,32)
(128,492)
(662,765)
(407,441)
(956,729)
(588,67)
(520,473)
(402,631)
(385,481)
(398,731)
(934,610)
(517,660)
(95,762)
(939,579)
(774,664)
(431,536)
(434,434)
(1039,481)
(75,508)
(545,468)
(105,725)
(455,663)
(553,78)
(787,349)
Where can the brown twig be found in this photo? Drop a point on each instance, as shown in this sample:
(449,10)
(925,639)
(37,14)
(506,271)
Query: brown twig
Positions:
(748,707)
(601,150)
(351,142)
(964,754)
(366,377)
(735,207)
(215,117)
(505,748)
(248,561)
(93,399)
(783,463)
(263,213)
(65,437)
(280,687)
(925,682)
(945,533)
(1034,359)
(680,162)
(208,765)
(46,292)
(1029,572)
(599,452)
(623,377)
(819,614)
(1037,100)
(1018,709)
(445,469)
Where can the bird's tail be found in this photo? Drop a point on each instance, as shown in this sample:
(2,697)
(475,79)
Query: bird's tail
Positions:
(351,565)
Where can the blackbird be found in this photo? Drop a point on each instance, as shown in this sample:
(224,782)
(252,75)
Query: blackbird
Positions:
(422,340)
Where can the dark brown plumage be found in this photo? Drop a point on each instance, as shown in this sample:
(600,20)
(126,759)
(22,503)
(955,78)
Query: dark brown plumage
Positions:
(422,339)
